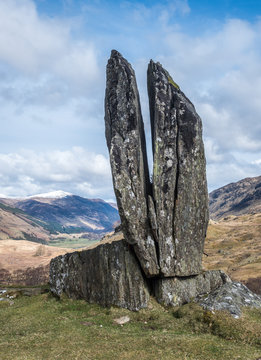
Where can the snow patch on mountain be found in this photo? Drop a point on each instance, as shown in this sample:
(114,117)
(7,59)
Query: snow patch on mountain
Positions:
(52,195)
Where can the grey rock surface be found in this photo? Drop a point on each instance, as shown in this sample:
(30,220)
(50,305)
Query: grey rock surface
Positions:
(179,176)
(231,297)
(127,147)
(177,291)
(108,274)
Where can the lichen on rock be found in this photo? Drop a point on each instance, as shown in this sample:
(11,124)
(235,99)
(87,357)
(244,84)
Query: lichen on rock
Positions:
(108,274)
(175,291)
(179,176)
(230,297)
(127,147)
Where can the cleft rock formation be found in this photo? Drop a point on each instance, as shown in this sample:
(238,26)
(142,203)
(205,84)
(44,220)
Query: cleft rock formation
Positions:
(164,221)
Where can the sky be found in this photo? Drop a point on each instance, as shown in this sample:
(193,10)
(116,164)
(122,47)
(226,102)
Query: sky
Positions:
(53,56)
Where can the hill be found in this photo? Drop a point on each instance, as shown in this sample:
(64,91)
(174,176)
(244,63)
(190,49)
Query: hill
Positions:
(233,244)
(242,197)
(16,224)
(67,213)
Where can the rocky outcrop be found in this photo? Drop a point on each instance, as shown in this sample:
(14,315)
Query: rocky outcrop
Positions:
(179,176)
(127,146)
(108,274)
(164,222)
(177,291)
(242,197)
(231,297)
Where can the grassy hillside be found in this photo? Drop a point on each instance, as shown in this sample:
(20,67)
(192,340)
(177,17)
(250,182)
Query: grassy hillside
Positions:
(41,327)
(233,244)
(15,224)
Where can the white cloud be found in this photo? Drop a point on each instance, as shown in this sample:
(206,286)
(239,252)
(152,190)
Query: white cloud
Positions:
(75,170)
(52,89)
(220,71)
(34,44)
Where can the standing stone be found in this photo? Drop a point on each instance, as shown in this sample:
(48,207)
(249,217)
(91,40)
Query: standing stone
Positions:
(108,274)
(179,176)
(127,147)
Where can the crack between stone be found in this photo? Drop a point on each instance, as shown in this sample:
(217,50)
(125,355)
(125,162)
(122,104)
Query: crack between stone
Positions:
(176,188)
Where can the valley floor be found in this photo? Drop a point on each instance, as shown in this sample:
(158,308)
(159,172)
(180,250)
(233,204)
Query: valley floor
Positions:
(26,262)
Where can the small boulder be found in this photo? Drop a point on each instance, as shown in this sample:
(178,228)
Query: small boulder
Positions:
(122,320)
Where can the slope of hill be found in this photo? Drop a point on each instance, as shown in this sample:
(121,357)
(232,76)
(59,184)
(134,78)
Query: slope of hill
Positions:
(26,263)
(68,213)
(16,224)
(233,244)
(242,197)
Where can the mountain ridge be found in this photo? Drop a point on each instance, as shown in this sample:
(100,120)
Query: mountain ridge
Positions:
(59,213)
(237,198)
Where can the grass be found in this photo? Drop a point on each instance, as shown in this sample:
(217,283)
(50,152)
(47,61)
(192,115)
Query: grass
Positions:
(71,243)
(234,244)
(41,327)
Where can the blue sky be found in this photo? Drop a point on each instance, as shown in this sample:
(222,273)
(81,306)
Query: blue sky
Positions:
(53,56)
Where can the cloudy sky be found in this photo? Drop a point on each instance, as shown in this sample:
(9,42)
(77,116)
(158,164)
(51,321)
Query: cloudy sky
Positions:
(53,55)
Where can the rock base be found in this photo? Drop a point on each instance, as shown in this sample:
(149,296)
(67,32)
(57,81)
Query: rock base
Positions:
(177,291)
(108,274)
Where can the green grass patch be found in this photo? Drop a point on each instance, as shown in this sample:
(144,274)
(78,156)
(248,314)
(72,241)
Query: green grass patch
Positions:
(72,243)
(41,327)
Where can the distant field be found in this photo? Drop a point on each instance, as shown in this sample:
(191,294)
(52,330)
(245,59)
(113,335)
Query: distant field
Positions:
(26,262)
(42,327)
(71,243)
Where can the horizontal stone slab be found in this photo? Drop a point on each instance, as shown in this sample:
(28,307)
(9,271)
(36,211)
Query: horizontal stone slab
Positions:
(108,274)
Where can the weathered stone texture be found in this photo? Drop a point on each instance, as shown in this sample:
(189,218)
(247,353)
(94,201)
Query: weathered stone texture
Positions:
(127,147)
(231,297)
(108,274)
(177,291)
(179,176)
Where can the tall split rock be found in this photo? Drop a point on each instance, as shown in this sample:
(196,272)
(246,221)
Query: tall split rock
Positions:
(179,176)
(164,222)
(127,147)
(166,225)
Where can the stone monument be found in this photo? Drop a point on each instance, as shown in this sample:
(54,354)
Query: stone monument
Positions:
(163,220)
